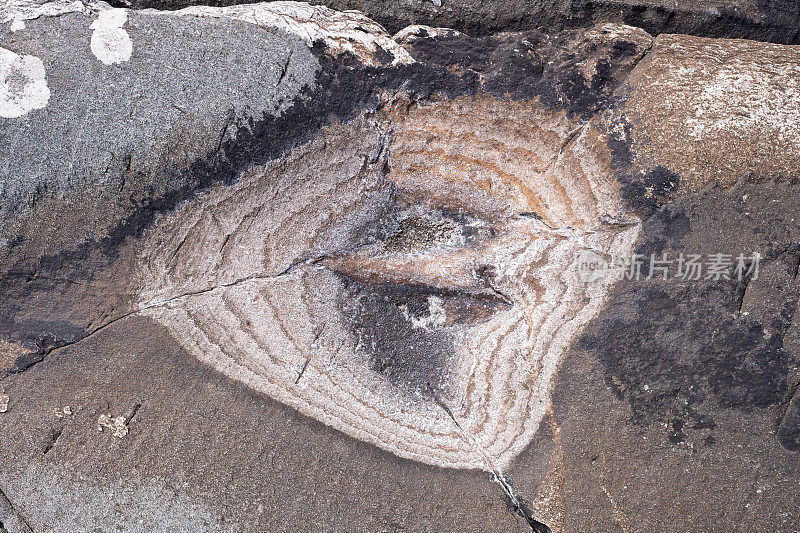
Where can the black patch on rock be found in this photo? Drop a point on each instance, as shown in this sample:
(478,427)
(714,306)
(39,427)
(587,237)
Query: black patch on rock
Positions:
(524,66)
(643,192)
(41,337)
(684,345)
(647,192)
(664,230)
(676,350)
(620,144)
(415,360)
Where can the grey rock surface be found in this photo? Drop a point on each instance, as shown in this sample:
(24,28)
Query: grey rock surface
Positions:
(123,130)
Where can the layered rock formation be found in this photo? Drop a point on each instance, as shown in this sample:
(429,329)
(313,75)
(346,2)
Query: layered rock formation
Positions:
(213,213)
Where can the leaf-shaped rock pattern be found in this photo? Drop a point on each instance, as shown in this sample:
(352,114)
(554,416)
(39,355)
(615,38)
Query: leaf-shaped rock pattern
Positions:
(408,278)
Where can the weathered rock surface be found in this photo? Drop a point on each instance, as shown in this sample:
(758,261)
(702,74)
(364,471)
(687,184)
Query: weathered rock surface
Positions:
(765,20)
(307,276)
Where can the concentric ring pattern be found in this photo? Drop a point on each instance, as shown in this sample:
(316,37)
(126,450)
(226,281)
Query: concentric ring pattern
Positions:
(409,278)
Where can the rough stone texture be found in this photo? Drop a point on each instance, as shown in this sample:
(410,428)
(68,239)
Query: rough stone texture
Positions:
(765,20)
(122,130)
(206,454)
(428,192)
(715,111)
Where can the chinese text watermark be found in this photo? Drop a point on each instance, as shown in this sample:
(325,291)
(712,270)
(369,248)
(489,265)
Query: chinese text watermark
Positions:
(685,267)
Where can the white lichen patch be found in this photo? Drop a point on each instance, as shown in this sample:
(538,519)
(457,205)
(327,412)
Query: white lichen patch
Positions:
(117,425)
(4,399)
(110,42)
(435,319)
(739,97)
(64,411)
(23,86)
(341,31)
(17,12)
(411,33)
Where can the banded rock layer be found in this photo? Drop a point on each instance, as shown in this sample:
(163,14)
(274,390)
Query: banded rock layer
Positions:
(409,279)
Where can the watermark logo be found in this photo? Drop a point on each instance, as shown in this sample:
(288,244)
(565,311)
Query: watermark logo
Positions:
(684,267)
(591,266)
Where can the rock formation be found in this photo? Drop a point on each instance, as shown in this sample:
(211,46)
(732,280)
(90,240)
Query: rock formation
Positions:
(290,261)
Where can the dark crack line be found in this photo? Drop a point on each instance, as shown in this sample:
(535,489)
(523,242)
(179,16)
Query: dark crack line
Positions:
(228,123)
(48,351)
(564,144)
(7,508)
(302,371)
(285,67)
(745,285)
(447,410)
(514,501)
(224,243)
(502,296)
(313,261)
(748,279)
(131,413)
(237,281)
(55,436)
(518,504)
(536,217)
(177,249)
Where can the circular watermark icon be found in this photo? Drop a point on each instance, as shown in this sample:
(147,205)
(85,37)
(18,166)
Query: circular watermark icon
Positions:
(591,266)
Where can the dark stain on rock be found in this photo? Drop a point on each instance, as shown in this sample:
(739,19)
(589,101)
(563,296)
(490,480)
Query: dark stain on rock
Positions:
(668,348)
(648,191)
(676,350)
(416,360)
(620,143)
(664,230)
(41,337)
(525,65)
